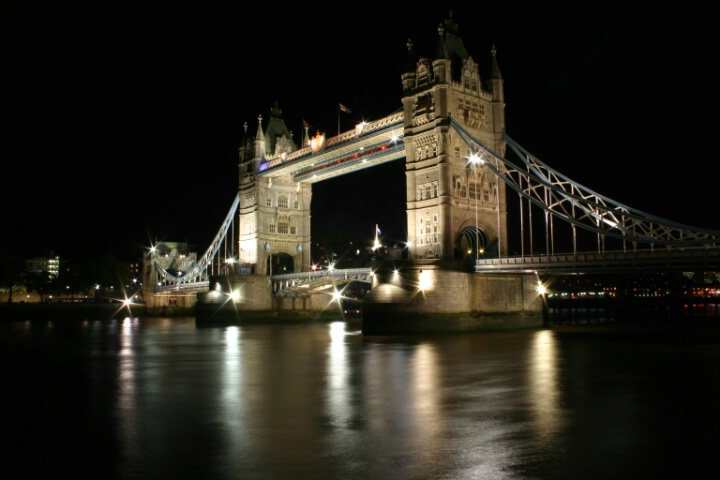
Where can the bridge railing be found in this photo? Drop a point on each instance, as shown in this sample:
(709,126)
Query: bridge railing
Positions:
(289,280)
(617,260)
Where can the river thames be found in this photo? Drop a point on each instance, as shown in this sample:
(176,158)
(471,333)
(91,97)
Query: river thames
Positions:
(155,398)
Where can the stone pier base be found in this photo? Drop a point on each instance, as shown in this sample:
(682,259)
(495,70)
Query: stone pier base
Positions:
(248,299)
(418,298)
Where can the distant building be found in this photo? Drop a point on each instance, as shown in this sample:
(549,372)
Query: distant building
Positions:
(38,265)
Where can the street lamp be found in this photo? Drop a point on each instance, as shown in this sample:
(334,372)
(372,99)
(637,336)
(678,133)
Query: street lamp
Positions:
(476,159)
(267,249)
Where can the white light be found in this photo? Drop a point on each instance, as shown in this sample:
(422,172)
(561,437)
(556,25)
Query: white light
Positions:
(424,280)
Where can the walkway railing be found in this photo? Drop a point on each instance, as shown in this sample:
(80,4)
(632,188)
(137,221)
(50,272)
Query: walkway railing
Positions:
(294,284)
(658,259)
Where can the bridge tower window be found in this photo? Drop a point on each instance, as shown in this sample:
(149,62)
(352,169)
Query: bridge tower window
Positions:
(487,192)
(282,201)
(283,228)
(296,205)
(474,191)
(271,228)
(463,191)
(268,202)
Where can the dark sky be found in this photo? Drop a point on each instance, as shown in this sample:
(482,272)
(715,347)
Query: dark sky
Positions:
(121,121)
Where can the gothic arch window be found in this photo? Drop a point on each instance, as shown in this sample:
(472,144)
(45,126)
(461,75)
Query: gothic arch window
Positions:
(487,192)
(474,191)
(282,201)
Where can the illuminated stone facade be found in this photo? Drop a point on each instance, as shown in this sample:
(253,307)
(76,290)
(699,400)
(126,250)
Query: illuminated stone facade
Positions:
(456,209)
(274,214)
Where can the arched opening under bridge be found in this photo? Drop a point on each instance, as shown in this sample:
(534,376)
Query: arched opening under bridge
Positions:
(473,242)
(279,264)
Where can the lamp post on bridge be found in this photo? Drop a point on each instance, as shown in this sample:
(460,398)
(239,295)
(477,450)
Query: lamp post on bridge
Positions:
(476,159)
(267,249)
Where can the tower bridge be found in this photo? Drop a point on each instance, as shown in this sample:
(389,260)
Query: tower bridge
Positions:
(460,180)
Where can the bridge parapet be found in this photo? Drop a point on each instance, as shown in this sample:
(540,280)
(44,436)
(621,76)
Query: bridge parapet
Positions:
(307,283)
(671,259)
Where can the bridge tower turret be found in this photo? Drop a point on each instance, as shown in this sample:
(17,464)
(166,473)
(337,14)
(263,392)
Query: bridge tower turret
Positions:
(274,214)
(456,208)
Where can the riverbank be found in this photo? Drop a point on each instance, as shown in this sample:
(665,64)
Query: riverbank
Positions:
(78,311)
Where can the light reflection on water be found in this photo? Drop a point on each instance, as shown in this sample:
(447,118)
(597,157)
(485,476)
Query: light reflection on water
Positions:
(158,398)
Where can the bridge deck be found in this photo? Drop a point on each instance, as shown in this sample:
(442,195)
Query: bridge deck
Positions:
(660,259)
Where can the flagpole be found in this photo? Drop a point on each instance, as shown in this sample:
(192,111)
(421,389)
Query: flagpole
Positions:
(338,107)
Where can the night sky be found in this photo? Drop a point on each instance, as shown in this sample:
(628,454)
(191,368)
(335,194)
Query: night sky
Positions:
(121,121)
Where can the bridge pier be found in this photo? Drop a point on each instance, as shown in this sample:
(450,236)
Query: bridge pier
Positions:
(249,298)
(417,297)
(169,303)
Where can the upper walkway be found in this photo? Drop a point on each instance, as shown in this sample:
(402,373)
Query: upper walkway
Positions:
(368,145)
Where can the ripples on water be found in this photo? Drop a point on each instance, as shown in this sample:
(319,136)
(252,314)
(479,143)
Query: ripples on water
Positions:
(161,398)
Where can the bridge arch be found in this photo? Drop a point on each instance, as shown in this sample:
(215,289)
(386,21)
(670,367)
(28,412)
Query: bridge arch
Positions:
(279,263)
(473,239)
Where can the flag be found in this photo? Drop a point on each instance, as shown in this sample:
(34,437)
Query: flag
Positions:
(377,230)
(343,108)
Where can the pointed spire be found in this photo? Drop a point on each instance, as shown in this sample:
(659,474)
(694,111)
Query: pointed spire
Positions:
(495,71)
(260,140)
(442,50)
(496,80)
(410,62)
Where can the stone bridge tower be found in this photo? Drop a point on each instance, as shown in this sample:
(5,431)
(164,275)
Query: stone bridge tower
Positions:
(274,215)
(456,209)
